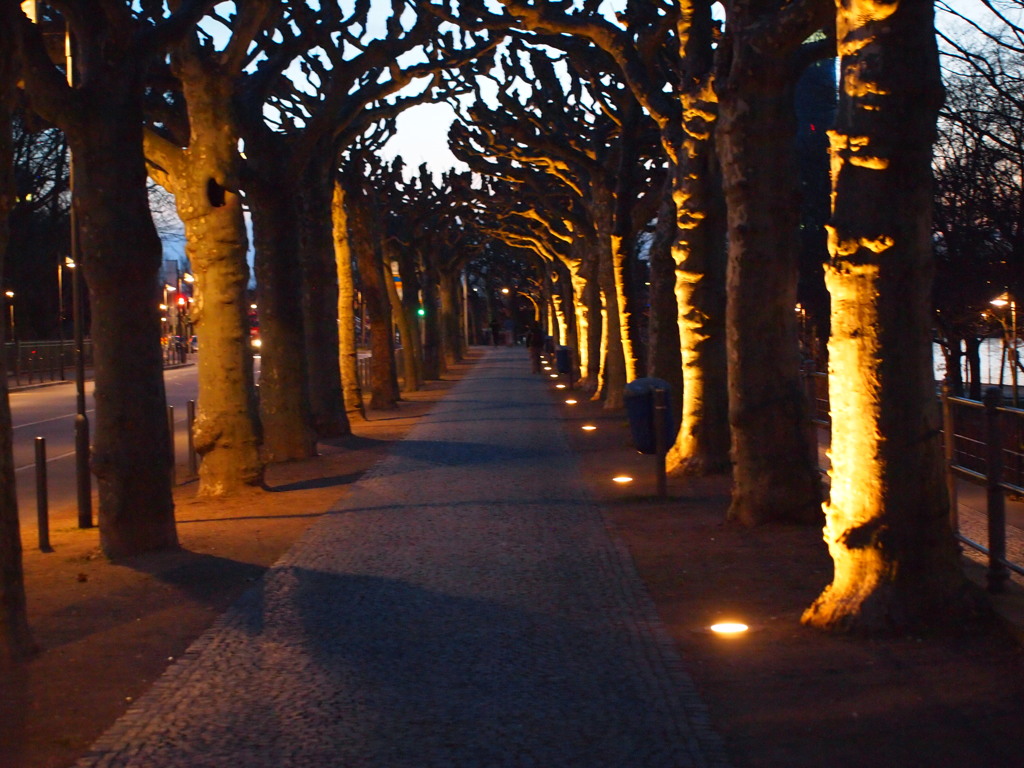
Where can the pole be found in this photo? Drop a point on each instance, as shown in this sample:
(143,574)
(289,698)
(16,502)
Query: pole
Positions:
(42,499)
(82,476)
(660,447)
(170,447)
(1012,351)
(60,316)
(996,500)
(190,419)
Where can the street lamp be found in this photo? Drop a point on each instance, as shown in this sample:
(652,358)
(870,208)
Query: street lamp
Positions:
(10,309)
(1009,340)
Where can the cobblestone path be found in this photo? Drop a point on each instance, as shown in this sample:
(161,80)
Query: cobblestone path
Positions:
(463,607)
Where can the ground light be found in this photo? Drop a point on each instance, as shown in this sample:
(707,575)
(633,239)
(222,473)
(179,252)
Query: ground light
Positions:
(588,427)
(622,479)
(571,401)
(729,628)
(553,375)
(559,386)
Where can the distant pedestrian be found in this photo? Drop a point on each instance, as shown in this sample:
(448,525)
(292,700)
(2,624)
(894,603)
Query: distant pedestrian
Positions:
(495,331)
(535,339)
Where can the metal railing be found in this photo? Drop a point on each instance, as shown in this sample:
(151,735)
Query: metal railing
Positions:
(39,362)
(985,448)
(35,362)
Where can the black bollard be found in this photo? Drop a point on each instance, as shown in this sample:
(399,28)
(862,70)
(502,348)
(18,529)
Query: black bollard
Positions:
(193,463)
(42,498)
(170,435)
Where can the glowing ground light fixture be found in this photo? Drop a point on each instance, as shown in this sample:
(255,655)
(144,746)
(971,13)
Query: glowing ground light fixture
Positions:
(553,375)
(729,628)
(559,386)
(571,401)
(588,427)
(622,479)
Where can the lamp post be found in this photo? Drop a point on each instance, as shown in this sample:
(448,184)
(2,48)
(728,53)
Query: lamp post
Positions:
(1009,341)
(83,479)
(61,264)
(10,311)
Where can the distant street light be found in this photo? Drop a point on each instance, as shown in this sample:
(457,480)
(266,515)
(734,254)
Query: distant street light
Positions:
(1009,341)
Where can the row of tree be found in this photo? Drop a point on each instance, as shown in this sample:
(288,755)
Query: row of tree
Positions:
(581,132)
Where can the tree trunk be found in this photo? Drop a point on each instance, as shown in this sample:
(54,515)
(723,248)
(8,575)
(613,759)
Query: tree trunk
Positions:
(320,302)
(204,180)
(775,476)
(702,444)
(15,638)
(285,409)
(433,361)
(594,318)
(450,316)
(121,258)
(664,360)
(973,354)
(348,354)
(406,323)
(363,241)
(887,526)
(409,273)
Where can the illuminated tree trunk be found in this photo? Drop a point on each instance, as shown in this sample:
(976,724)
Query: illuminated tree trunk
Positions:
(204,180)
(285,410)
(896,562)
(347,351)
(405,322)
(775,476)
(613,362)
(363,240)
(595,325)
(320,301)
(15,638)
(702,444)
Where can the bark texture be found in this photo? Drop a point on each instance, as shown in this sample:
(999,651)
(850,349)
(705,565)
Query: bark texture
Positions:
(775,477)
(285,410)
(320,301)
(121,256)
(896,561)
(364,237)
(203,176)
(347,351)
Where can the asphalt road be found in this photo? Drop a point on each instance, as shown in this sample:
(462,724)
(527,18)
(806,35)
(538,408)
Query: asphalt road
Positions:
(49,412)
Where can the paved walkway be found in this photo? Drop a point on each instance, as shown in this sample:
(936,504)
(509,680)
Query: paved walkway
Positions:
(463,607)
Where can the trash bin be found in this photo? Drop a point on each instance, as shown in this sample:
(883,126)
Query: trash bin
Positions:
(563,360)
(639,401)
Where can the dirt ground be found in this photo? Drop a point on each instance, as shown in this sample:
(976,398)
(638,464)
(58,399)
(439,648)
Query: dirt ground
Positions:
(782,695)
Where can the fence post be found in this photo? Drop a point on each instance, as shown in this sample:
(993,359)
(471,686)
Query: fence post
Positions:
(949,451)
(997,571)
(170,436)
(190,420)
(42,498)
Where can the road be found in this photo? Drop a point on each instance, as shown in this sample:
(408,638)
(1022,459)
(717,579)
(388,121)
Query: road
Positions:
(49,412)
